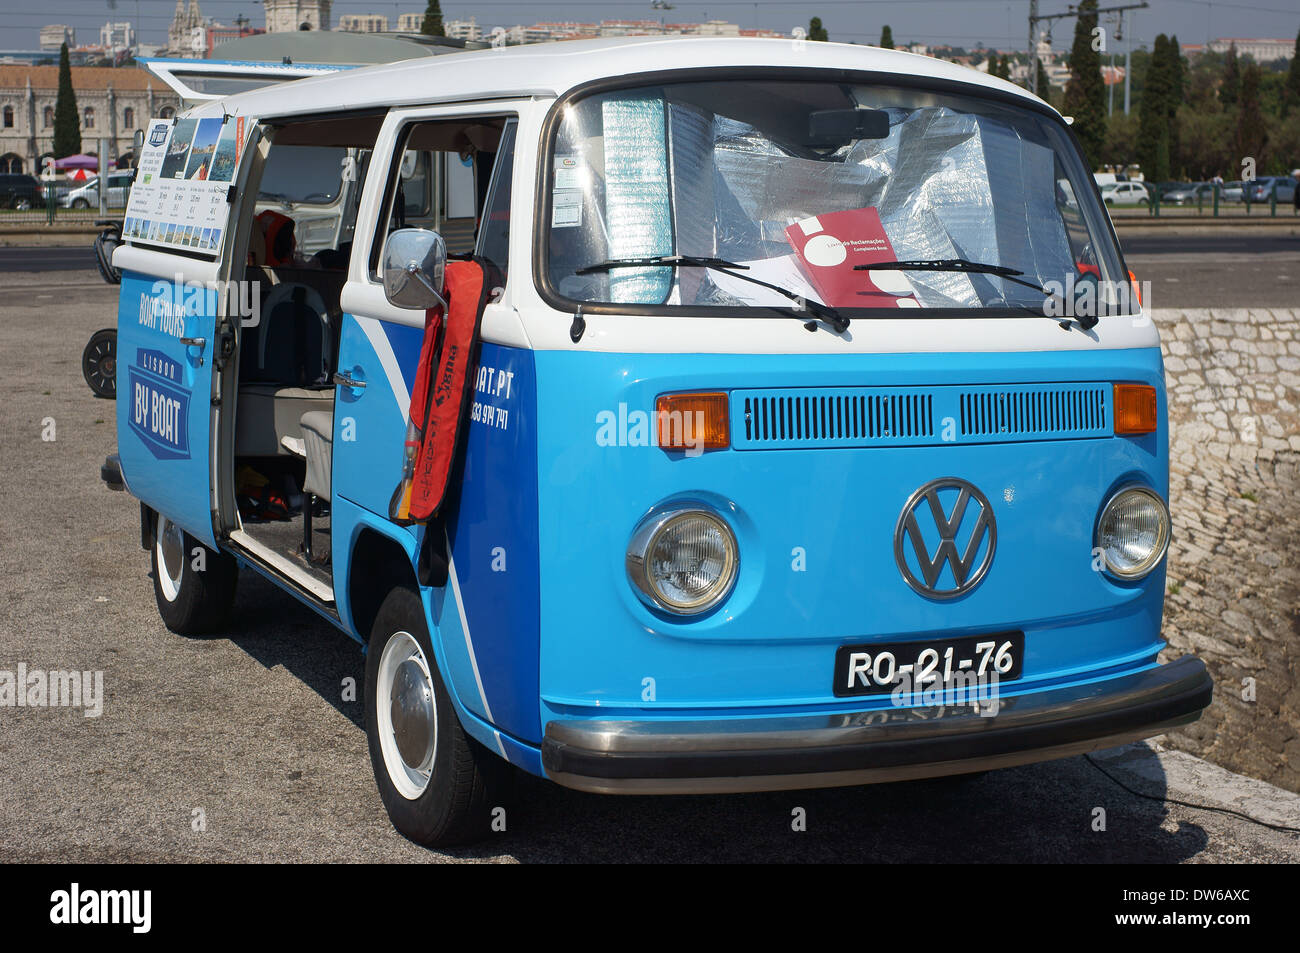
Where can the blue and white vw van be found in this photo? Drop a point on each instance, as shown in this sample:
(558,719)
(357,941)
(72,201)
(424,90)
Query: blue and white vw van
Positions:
(815,436)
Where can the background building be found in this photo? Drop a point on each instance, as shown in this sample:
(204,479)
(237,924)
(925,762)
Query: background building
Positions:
(1261,50)
(283,16)
(363,23)
(110,103)
(187,35)
(55,35)
(117,36)
(461,29)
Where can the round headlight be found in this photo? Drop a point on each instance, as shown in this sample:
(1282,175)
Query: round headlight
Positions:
(682,560)
(1133,532)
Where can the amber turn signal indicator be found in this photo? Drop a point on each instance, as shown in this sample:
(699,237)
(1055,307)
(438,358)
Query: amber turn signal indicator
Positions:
(1135,409)
(693,422)
(1137,290)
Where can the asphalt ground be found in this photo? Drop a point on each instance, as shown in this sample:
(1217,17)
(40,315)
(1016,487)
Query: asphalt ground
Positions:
(1185,270)
(248,733)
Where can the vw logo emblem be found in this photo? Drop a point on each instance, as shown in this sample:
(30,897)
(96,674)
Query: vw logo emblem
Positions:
(947,523)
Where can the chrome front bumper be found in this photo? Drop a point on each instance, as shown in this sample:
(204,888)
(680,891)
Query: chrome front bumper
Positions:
(811,751)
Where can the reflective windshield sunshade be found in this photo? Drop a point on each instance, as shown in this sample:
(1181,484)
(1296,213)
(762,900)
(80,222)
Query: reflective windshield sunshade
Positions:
(636,196)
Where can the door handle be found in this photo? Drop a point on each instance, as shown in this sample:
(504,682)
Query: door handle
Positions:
(196,342)
(343,380)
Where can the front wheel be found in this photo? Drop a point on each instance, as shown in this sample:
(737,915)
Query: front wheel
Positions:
(80,203)
(193,585)
(438,785)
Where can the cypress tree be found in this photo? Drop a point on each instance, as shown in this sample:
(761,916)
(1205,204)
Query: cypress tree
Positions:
(816,31)
(1176,78)
(887,38)
(1044,84)
(67,126)
(1085,95)
(1153,129)
(1230,86)
(1291,92)
(432,24)
(1251,134)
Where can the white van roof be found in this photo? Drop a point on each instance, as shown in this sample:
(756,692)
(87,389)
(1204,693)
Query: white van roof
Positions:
(551,69)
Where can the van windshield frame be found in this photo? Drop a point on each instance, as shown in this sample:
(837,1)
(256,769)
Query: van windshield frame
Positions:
(550,269)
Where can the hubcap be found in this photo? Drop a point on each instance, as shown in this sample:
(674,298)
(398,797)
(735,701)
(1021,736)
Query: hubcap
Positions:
(171,558)
(406,715)
(412,714)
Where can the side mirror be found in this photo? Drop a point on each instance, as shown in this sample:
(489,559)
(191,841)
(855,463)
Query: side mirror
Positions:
(414,263)
(137,146)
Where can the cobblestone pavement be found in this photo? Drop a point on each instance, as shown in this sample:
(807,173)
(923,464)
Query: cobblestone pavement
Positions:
(1233,595)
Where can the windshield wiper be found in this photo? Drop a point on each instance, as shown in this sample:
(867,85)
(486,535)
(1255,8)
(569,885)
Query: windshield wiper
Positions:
(818,310)
(975,268)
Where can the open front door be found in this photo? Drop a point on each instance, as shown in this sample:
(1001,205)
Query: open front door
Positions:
(171,302)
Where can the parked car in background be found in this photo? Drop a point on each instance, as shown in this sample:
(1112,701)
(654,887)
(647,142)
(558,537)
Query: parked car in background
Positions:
(20,191)
(1232,192)
(1189,194)
(87,196)
(1125,193)
(1262,189)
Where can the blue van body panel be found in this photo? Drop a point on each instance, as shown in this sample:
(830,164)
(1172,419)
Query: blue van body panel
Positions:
(814,524)
(485,620)
(815,530)
(164,406)
(492,525)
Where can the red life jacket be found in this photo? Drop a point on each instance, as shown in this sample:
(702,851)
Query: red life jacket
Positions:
(444,385)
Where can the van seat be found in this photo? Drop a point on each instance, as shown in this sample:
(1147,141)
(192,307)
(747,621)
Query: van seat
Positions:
(268,412)
(318,435)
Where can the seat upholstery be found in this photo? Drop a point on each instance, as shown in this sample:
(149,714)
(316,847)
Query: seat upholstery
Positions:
(318,436)
(268,412)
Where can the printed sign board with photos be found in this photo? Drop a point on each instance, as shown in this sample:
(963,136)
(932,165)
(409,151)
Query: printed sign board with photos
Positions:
(180,196)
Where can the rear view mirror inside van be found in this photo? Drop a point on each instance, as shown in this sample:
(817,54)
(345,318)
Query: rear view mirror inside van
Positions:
(836,127)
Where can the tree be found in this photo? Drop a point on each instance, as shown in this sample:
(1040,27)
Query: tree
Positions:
(1153,123)
(1291,92)
(886,38)
(67,125)
(1206,135)
(1176,77)
(1251,134)
(432,25)
(1121,141)
(1085,94)
(1044,84)
(816,31)
(1230,85)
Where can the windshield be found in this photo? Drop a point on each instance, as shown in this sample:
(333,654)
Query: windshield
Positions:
(804,183)
(296,174)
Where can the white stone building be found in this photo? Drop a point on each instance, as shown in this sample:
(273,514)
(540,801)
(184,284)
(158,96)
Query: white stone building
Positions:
(110,102)
(55,35)
(284,16)
(363,23)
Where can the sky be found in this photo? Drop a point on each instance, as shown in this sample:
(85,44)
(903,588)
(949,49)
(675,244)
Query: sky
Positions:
(995,23)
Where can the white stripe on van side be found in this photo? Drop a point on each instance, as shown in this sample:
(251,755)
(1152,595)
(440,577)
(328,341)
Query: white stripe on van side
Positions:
(374,333)
(469,643)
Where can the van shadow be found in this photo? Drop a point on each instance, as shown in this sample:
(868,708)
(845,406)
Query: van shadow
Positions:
(1057,811)
(275,629)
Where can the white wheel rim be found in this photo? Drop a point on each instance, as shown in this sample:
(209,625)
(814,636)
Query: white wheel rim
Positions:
(406,715)
(171,558)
